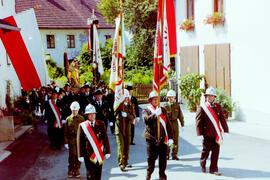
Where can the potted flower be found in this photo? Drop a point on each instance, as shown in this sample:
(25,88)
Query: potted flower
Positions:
(187,25)
(215,19)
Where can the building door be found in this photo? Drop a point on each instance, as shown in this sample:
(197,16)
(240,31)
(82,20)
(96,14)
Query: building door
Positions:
(217,66)
(189,60)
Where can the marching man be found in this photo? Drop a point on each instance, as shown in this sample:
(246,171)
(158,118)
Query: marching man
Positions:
(93,144)
(70,136)
(174,115)
(211,124)
(156,147)
(53,118)
(123,131)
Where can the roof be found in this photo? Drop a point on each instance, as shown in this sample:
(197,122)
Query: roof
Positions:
(63,14)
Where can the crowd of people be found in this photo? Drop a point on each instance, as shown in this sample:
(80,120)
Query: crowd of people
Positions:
(79,119)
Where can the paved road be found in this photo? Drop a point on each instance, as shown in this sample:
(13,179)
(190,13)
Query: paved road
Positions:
(241,157)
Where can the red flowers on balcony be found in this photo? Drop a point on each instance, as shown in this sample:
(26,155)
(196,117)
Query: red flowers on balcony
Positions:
(187,25)
(215,19)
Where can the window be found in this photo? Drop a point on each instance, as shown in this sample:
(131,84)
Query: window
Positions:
(218,6)
(50,41)
(71,41)
(190,9)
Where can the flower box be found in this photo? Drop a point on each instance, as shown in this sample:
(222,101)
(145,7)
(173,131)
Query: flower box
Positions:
(215,19)
(187,25)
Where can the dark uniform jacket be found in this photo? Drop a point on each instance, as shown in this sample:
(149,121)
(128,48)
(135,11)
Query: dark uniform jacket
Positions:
(84,100)
(49,115)
(204,125)
(174,112)
(71,128)
(135,105)
(101,110)
(129,109)
(150,121)
(66,102)
(84,147)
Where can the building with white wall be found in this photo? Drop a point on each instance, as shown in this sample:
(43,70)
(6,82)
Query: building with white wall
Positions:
(7,72)
(63,25)
(233,56)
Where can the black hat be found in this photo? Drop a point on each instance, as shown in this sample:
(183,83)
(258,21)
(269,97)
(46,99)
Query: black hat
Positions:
(54,92)
(98,92)
(86,85)
(129,87)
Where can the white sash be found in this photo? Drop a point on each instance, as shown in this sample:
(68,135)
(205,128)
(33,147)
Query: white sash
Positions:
(93,141)
(58,123)
(214,119)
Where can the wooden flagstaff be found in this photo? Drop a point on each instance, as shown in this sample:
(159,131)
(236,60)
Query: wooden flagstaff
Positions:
(123,87)
(160,68)
(94,23)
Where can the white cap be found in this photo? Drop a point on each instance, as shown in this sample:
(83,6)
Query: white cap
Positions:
(210,91)
(153,94)
(171,93)
(126,93)
(75,106)
(57,89)
(90,109)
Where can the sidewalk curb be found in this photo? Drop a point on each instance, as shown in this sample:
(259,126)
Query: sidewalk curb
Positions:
(3,145)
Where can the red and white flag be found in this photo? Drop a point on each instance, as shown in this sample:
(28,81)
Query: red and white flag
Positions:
(118,55)
(165,42)
(96,145)
(25,50)
(215,121)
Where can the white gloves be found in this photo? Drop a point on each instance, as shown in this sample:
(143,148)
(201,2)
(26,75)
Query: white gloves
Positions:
(66,146)
(63,121)
(124,114)
(158,111)
(138,119)
(81,159)
(46,121)
(94,65)
(226,135)
(170,142)
(111,123)
(107,156)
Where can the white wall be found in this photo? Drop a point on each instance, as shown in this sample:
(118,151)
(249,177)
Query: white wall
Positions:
(7,71)
(61,42)
(247,30)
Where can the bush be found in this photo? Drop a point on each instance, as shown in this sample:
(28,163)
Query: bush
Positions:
(139,76)
(163,94)
(190,90)
(225,102)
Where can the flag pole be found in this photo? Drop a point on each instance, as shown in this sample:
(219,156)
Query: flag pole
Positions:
(123,88)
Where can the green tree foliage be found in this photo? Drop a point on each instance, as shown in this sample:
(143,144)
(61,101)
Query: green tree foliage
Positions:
(225,101)
(53,70)
(190,89)
(140,20)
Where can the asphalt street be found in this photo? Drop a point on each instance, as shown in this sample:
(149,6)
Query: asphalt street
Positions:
(241,157)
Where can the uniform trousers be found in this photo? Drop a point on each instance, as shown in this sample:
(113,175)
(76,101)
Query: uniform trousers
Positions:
(55,136)
(154,151)
(132,132)
(209,144)
(175,128)
(93,171)
(123,148)
(73,163)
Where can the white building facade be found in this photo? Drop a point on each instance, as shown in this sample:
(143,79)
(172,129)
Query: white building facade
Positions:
(61,42)
(7,72)
(242,43)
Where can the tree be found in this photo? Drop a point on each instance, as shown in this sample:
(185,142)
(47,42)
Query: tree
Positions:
(140,19)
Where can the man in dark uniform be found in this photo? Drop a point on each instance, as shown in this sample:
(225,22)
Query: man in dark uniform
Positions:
(156,146)
(93,144)
(136,108)
(211,124)
(110,100)
(101,107)
(67,100)
(54,123)
(85,97)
